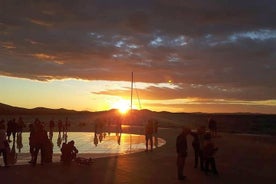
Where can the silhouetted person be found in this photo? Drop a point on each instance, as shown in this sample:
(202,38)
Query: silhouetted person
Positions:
(20,125)
(181,149)
(66,125)
(196,147)
(96,141)
(19,143)
(59,126)
(101,137)
(11,129)
(4,145)
(31,142)
(51,129)
(48,151)
(59,140)
(119,139)
(149,135)
(68,152)
(118,125)
(209,153)
(12,158)
(212,125)
(201,136)
(155,133)
(40,138)
(74,151)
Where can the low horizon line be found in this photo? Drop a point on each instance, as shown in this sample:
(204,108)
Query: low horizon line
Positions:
(136,110)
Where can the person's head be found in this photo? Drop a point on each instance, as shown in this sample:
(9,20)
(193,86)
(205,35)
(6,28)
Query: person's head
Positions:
(201,130)
(185,130)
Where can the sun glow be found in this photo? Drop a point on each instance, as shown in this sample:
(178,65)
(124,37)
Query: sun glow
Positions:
(122,105)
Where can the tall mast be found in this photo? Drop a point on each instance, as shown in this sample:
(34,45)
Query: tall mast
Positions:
(131,91)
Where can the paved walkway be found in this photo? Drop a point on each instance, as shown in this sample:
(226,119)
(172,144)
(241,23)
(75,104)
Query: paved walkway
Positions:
(239,160)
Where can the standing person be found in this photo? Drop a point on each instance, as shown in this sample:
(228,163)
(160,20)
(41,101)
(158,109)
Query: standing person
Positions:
(20,125)
(209,153)
(155,133)
(59,126)
(148,135)
(31,142)
(212,125)
(196,147)
(3,144)
(40,137)
(51,128)
(13,128)
(9,130)
(181,149)
(201,136)
(67,125)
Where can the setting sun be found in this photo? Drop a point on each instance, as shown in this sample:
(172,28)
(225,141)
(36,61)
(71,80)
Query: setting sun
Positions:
(122,105)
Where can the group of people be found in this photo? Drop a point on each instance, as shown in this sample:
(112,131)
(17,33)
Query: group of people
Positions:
(204,150)
(39,141)
(203,146)
(14,129)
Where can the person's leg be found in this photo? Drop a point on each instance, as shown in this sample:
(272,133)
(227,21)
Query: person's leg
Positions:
(207,162)
(201,160)
(32,152)
(196,152)
(13,135)
(36,150)
(147,142)
(213,165)
(42,153)
(4,153)
(5,157)
(180,167)
(151,143)
(9,135)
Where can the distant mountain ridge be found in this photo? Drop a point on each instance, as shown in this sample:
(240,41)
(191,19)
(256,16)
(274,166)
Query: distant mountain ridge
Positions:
(228,122)
(7,109)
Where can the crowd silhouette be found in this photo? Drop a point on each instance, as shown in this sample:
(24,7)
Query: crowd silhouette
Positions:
(40,141)
(203,147)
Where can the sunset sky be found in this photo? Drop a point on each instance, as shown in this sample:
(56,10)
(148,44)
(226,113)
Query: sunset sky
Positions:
(186,55)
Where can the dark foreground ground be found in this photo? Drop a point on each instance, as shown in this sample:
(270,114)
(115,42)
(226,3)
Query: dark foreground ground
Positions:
(240,159)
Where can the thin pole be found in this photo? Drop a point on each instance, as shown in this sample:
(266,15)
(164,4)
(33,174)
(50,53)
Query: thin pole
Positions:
(130,142)
(131,91)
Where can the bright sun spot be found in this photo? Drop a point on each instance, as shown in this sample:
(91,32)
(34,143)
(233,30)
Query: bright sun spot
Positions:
(122,105)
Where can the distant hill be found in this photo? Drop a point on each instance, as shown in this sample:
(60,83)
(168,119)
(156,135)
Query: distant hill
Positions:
(10,110)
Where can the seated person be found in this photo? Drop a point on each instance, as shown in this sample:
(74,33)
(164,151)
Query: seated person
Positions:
(68,152)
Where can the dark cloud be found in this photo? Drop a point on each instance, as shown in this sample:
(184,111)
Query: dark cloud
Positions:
(210,49)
